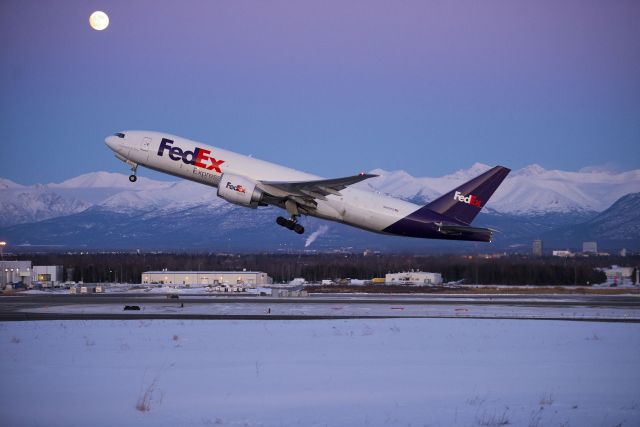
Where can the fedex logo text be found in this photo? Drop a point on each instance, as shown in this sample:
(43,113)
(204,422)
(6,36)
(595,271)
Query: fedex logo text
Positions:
(239,188)
(198,157)
(470,199)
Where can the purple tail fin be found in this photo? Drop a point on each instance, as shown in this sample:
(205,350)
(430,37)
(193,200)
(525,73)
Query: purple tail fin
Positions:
(465,202)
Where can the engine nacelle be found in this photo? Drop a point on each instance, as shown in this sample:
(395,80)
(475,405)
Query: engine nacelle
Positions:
(239,190)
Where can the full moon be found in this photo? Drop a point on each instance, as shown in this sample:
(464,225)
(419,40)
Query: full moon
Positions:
(99,20)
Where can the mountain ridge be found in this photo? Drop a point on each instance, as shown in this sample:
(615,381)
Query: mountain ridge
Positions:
(532,202)
(531,190)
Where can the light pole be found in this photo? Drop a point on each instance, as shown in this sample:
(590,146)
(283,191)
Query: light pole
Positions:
(2,245)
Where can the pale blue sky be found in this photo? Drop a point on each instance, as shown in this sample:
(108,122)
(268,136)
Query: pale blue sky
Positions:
(332,87)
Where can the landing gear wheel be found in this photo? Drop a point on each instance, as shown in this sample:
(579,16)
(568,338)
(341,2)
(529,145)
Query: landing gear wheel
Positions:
(134,169)
(291,224)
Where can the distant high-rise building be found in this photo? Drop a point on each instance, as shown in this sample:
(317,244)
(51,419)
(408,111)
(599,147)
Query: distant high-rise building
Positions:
(623,252)
(537,247)
(590,247)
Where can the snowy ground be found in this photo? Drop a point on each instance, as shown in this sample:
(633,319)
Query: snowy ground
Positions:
(410,372)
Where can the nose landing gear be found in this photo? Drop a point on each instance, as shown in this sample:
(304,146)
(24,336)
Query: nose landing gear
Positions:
(133,177)
(291,224)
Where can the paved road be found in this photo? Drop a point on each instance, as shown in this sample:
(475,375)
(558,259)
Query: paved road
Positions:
(128,298)
(323,306)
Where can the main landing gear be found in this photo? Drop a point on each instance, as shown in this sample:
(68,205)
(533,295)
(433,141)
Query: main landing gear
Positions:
(291,224)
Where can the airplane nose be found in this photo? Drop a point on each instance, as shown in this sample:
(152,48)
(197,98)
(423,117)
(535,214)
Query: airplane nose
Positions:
(112,142)
(115,142)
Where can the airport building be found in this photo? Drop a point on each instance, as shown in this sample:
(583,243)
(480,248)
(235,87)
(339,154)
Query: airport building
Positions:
(413,278)
(566,253)
(618,274)
(47,275)
(15,273)
(206,278)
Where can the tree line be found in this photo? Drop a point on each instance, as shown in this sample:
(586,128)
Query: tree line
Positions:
(506,270)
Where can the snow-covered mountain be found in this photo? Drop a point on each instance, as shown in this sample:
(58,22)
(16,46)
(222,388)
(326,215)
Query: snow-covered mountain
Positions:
(108,180)
(178,195)
(7,183)
(528,191)
(104,210)
(619,222)
(20,205)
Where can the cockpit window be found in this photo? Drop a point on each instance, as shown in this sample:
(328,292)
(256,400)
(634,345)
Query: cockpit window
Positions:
(119,135)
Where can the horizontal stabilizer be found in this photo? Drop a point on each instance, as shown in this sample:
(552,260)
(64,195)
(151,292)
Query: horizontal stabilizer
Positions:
(462,231)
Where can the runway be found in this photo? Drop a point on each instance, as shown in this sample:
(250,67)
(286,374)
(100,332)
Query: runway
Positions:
(619,308)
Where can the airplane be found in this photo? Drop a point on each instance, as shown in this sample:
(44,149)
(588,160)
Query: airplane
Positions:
(251,182)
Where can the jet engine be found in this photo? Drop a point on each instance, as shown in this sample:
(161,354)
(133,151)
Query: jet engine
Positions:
(239,190)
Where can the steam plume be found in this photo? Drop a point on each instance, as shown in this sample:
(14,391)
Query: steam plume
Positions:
(313,236)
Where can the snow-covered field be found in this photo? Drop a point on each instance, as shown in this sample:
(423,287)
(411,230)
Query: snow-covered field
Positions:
(409,372)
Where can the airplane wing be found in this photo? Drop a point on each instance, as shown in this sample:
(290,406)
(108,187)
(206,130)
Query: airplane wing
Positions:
(318,189)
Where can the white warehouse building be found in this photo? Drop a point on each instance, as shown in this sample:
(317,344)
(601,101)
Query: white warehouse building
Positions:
(413,278)
(15,272)
(47,274)
(206,278)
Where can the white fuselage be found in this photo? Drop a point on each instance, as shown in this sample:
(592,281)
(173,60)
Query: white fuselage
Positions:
(360,208)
